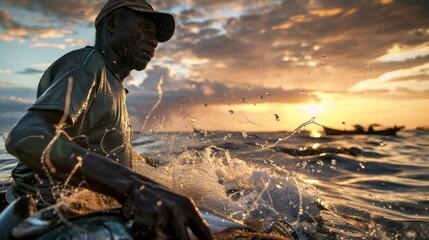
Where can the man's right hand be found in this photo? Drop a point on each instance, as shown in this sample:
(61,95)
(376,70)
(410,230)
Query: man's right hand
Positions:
(152,208)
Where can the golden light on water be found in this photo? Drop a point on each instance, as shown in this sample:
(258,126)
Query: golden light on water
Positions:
(315,134)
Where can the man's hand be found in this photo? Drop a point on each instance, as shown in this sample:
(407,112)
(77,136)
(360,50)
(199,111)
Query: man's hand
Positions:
(155,210)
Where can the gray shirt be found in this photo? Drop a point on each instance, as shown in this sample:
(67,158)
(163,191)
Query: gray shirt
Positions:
(97,113)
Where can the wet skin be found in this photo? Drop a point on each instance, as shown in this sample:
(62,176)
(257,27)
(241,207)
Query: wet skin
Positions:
(134,41)
(130,43)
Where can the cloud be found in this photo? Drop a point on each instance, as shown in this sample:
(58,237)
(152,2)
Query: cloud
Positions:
(5,71)
(414,94)
(395,79)
(31,71)
(17,31)
(7,38)
(399,93)
(76,42)
(399,53)
(295,43)
(285,38)
(49,45)
(10,92)
(6,21)
(14,102)
(45,33)
(74,10)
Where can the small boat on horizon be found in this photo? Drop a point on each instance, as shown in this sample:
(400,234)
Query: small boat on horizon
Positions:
(360,131)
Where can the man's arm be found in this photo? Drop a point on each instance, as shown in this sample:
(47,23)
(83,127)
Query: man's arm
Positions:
(144,200)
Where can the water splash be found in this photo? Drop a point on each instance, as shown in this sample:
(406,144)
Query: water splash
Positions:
(297,129)
(160,95)
(215,179)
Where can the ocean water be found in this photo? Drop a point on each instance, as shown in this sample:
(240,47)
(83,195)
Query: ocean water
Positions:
(336,187)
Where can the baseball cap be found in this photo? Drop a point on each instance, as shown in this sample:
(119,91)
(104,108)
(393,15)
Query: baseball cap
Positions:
(164,21)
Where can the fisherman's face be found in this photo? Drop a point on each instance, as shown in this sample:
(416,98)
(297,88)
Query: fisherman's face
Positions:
(135,41)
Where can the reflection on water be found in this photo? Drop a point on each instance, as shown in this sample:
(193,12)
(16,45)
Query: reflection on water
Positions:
(343,187)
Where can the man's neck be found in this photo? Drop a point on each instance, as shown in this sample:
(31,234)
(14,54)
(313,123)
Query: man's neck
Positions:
(113,61)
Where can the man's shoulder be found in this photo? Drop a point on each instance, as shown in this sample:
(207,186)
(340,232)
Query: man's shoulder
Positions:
(87,58)
(84,57)
(76,63)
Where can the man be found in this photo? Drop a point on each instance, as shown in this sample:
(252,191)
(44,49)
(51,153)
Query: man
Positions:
(78,132)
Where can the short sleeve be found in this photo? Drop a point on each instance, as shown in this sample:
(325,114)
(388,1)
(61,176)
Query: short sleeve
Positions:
(82,91)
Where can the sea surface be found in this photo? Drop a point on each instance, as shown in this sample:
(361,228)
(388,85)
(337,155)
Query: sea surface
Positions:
(326,187)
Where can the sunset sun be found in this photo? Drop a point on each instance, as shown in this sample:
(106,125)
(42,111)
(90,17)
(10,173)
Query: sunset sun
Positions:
(313,110)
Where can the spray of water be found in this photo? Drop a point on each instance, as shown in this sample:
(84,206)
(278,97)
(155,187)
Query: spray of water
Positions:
(297,129)
(160,95)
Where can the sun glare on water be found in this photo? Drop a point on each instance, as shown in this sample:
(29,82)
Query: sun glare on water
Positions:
(315,134)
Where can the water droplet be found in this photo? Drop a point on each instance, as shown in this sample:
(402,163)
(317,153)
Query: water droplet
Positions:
(323,55)
(268,94)
(231,111)
(301,90)
(362,166)
(243,99)
(205,104)
(244,134)
(130,223)
(383,143)
(193,120)
(261,96)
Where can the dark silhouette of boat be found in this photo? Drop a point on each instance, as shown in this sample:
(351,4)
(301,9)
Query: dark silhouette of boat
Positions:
(387,131)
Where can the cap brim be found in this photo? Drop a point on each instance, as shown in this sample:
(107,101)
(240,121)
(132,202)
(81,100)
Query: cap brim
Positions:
(164,21)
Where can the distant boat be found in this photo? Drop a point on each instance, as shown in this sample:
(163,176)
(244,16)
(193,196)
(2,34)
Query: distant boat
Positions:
(386,131)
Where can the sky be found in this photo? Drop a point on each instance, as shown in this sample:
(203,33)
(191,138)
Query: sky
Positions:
(260,65)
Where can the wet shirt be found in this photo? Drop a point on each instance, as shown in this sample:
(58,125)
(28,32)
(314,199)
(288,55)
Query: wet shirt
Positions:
(98,117)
